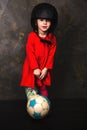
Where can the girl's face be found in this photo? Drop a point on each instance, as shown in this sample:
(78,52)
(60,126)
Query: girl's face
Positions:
(43,25)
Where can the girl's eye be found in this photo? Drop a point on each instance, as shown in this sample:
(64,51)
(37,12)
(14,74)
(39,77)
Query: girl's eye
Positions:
(47,20)
(42,19)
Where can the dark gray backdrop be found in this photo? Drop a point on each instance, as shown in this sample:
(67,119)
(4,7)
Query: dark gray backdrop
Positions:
(70,68)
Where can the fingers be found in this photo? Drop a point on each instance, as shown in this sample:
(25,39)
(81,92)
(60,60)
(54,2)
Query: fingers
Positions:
(37,72)
(41,76)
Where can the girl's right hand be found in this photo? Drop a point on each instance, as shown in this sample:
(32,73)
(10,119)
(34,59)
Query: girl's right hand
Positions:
(37,72)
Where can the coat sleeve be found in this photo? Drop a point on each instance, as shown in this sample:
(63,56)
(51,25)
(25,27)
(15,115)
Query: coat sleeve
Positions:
(30,53)
(50,61)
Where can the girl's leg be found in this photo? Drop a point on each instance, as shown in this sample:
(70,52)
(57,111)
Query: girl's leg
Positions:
(30,92)
(43,91)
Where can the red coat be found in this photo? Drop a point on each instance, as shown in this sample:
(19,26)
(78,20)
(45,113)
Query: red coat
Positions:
(38,55)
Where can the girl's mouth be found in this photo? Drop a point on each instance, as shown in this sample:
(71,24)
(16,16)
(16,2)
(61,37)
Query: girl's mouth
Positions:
(45,27)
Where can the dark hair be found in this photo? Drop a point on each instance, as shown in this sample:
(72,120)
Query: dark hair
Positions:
(44,11)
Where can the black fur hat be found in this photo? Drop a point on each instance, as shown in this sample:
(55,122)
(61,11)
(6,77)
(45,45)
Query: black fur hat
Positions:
(44,11)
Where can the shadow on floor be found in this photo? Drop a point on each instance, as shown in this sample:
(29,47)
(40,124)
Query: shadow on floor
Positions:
(65,114)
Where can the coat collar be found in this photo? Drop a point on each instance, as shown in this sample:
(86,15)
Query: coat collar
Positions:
(47,39)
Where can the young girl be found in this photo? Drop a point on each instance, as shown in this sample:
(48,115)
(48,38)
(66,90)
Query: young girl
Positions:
(40,50)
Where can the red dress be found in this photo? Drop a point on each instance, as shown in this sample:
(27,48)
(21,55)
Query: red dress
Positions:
(38,55)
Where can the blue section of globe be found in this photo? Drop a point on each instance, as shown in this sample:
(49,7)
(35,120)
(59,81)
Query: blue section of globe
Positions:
(37,115)
(33,103)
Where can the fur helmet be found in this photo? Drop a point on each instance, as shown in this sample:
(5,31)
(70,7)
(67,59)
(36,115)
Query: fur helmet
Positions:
(44,11)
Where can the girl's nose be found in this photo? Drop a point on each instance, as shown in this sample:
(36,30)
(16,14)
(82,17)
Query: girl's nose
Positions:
(45,21)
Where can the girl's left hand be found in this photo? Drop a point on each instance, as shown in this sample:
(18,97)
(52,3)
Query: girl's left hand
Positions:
(43,73)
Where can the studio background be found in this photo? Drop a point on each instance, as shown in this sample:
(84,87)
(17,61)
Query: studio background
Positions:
(70,67)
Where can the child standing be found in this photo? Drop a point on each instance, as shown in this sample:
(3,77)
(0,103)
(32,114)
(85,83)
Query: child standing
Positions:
(40,50)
